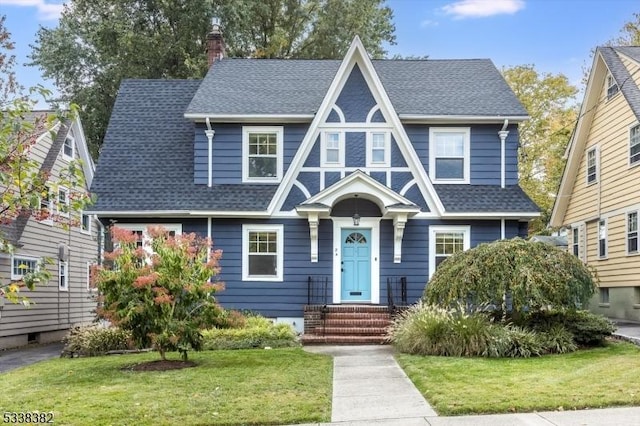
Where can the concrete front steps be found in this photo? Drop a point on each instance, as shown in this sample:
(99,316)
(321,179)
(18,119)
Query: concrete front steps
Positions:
(345,324)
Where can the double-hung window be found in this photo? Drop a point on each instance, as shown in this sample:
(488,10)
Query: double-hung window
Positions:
(22,265)
(46,206)
(333,147)
(592,165)
(144,239)
(632,232)
(449,154)
(602,238)
(634,145)
(612,86)
(575,241)
(262,252)
(68,148)
(85,223)
(445,241)
(63,275)
(378,149)
(262,153)
(63,202)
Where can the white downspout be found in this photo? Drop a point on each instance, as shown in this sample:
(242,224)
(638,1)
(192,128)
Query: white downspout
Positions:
(210,132)
(503,230)
(503,137)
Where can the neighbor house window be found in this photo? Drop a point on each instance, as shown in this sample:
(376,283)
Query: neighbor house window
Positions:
(604,296)
(378,149)
(262,154)
(612,86)
(445,241)
(602,238)
(68,148)
(63,202)
(575,241)
(46,206)
(449,155)
(632,232)
(85,223)
(23,265)
(634,145)
(332,149)
(63,276)
(262,252)
(592,165)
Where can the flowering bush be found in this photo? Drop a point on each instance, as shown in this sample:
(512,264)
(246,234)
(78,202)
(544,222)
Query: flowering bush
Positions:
(163,293)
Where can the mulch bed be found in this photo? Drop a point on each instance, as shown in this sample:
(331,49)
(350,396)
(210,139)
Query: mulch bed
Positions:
(160,365)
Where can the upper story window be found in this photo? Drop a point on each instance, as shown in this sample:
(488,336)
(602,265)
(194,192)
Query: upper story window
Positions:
(592,165)
(378,149)
(332,149)
(46,206)
(575,241)
(85,223)
(449,154)
(602,238)
(22,265)
(445,241)
(68,148)
(632,232)
(634,145)
(144,239)
(262,154)
(262,252)
(612,86)
(63,202)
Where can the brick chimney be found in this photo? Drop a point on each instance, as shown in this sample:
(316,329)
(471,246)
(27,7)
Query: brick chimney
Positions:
(215,42)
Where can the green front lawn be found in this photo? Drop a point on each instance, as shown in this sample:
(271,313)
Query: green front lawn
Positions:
(279,386)
(592,378)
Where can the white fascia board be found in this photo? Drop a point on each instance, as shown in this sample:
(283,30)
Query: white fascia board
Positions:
(250,118)
(467,119)
(492,215)
(88,166)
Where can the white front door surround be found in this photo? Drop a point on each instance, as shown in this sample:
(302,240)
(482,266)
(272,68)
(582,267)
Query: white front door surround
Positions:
(372,223)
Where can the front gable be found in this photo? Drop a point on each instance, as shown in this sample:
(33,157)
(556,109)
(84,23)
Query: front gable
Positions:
(356,128)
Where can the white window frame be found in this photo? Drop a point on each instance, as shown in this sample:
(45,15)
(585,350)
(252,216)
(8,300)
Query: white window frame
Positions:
(279,230)
(596,159)
(50,206)
(387,149)
(14,257)
(575,245)
(323,149)
(67,201)
(443,229)
(146,239)
(603,235)
(466,131)
(90,219)
(627,232)
(63,280)
(631,128)
(73,147)
(611,83)
(279,132)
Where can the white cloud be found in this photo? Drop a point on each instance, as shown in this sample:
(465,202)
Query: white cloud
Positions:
(46,11)
(429,23)
(482,8)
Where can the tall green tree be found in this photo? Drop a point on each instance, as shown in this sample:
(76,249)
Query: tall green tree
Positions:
(98,43)
(550,101)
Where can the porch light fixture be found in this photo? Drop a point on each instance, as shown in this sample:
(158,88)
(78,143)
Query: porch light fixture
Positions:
(356,216)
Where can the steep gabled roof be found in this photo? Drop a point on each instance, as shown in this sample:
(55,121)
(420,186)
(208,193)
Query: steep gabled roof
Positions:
(485,199)
(606,60)
(472,87)
(146,163)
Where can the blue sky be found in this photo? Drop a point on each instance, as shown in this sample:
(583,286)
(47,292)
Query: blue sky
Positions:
(556,36)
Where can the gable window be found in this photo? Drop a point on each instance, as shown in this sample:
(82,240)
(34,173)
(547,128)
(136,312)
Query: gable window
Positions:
(262,154)
(63,275)
(332,146)
(632,232)
(449,155)
(445,241)
(63,202)
(23,265)
(68,148)
(602,238)
(378,149)
(85,223)
(575,241)
(612,86)
(592,165)
(262,252)
(634,145)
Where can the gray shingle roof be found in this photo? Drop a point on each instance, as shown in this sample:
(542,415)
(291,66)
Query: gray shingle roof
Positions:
(423,87)
(485,198)
(147,158)
(625,81)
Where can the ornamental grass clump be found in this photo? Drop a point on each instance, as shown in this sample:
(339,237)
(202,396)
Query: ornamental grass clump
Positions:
(162,292)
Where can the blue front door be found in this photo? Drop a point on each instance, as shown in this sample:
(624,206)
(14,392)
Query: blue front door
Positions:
(356,265)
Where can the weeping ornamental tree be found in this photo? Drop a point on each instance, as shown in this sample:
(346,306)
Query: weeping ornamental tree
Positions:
(165,298)
(514,277)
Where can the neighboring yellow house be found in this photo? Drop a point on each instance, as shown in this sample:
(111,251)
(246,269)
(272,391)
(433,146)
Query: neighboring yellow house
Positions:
(599,196)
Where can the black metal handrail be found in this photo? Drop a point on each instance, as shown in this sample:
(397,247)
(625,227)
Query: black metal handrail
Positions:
(396,286)
(317,290)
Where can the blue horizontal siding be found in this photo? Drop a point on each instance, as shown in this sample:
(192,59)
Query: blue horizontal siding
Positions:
(355,99)
(355,149)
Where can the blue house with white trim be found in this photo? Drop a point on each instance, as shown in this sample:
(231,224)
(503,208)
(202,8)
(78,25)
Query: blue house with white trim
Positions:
(359,171)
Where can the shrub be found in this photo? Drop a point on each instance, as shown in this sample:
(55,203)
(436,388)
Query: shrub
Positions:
(258,332)
(587,329)
(96,340)
(557,340)
(521,343)
(229,318)
(513,277)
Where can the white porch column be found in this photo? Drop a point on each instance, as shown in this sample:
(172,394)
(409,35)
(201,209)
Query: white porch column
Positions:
(399,222)
(314,221)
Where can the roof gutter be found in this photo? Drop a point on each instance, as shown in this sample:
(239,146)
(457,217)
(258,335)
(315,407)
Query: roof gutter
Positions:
(417,118)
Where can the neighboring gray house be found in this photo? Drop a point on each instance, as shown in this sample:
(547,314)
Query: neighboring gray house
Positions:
(321,180)
(66,300)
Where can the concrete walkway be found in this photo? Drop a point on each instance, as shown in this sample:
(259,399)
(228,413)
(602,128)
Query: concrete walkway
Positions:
(27,355)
